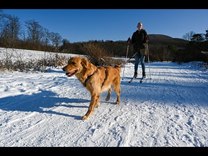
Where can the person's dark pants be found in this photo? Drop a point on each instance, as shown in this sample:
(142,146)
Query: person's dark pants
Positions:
(139,59)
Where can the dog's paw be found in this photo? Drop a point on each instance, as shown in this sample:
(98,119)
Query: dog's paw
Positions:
(117,102)
(84,117)
(98,104)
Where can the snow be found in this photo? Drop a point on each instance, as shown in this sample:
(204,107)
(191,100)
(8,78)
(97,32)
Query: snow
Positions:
(170,108)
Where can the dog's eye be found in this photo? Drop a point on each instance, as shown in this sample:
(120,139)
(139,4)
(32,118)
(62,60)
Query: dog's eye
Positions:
(73,63)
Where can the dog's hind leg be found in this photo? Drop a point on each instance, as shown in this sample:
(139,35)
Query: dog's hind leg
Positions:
(117,89)
(109,94)
(93,103)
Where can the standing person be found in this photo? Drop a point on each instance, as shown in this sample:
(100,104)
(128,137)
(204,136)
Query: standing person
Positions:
(139,40)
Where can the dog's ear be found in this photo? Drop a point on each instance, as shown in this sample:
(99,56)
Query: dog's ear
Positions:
(85,62)
(69,59)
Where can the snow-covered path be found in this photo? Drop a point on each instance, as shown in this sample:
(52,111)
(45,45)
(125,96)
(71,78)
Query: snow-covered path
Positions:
(170,108)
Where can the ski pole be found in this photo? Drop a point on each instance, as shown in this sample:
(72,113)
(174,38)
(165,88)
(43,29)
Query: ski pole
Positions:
(127,51)
(148,61)
(131,57)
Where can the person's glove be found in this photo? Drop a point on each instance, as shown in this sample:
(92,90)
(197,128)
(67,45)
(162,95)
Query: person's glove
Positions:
(145,45)
(145,50)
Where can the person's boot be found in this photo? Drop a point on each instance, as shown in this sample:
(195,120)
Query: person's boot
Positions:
(135,74)
(143,75)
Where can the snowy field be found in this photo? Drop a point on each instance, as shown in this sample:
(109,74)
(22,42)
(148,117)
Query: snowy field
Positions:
(170,108)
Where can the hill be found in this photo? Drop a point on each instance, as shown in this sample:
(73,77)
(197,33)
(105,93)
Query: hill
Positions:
(164,39)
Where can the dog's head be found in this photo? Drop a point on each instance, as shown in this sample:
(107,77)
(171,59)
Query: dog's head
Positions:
(75,65)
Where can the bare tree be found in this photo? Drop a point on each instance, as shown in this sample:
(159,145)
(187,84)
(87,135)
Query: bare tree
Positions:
(35,31)
(206,35)
(10,28)
(197,37)
(188,35)
(46,37)
(65,42)
(56,39)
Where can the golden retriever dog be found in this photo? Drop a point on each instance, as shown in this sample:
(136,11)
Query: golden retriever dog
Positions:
(96,79)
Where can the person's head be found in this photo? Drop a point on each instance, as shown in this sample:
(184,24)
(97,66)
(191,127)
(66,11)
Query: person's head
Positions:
(139,25)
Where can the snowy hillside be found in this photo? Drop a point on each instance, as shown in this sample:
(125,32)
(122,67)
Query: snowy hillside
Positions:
(170,108)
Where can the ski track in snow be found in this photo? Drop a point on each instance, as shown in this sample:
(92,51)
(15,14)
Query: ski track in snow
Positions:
(44,109)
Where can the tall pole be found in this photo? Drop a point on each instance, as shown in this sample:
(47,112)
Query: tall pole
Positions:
(148,60)
(127,51)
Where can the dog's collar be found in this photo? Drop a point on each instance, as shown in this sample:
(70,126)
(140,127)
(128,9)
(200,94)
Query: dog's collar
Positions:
(85,82)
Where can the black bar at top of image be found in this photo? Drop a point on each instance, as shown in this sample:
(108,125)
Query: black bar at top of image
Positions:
(103,4)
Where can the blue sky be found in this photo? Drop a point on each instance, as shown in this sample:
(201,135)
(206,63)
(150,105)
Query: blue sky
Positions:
(114,24)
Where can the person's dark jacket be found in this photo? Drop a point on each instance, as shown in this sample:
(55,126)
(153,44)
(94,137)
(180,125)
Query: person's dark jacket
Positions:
(138,39)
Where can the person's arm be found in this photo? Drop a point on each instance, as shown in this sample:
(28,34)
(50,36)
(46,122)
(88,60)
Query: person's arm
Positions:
(133,38)
(145,44)
(146,37)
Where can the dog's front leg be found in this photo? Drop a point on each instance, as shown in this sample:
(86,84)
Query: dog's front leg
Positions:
(93,103)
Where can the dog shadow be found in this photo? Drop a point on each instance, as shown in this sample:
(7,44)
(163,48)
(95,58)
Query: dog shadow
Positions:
(40,102)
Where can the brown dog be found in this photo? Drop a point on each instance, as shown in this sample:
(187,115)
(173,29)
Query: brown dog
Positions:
(95,79)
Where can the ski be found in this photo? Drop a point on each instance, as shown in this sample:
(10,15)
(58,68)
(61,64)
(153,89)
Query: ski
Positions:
(141,79)
(131,79)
